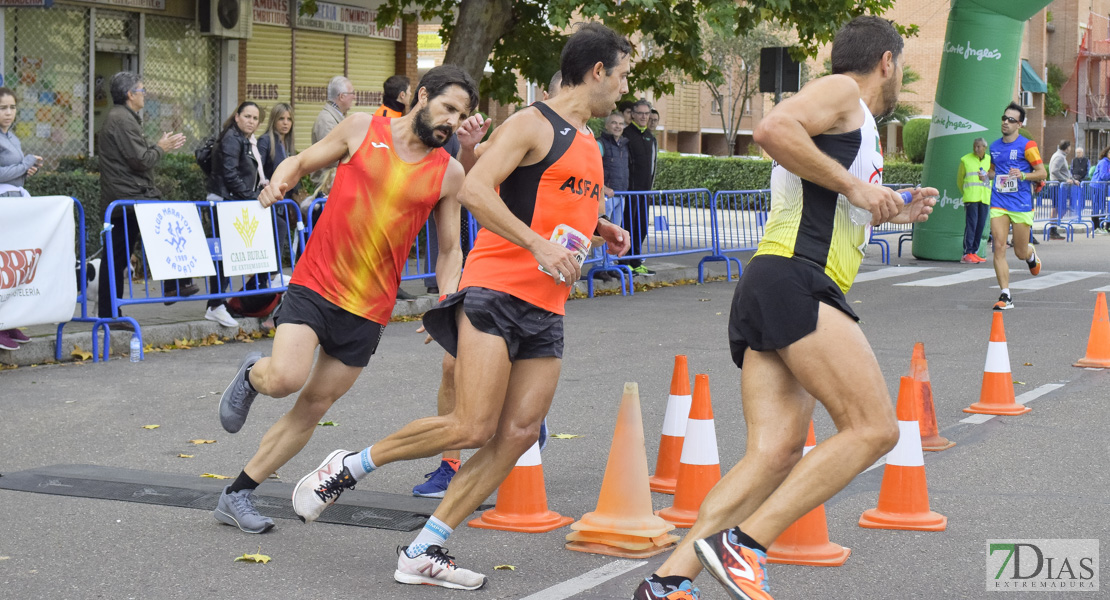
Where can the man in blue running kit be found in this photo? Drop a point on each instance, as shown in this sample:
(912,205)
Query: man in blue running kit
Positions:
(1015,162)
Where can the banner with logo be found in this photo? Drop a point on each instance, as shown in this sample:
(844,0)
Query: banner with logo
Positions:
(247,237)
(978,66)
(37,261)
(174,240)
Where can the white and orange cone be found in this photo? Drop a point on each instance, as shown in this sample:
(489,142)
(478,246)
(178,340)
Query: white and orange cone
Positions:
(674,430)
(700,467)
(522,500)
(904,493)
(997,395)
(806,541)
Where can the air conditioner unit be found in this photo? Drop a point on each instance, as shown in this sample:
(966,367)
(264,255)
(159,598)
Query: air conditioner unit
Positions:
(225,18)
(1026,99)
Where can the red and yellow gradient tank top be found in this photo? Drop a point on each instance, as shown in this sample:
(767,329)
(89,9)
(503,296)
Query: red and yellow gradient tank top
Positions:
(564,187)
(377,204)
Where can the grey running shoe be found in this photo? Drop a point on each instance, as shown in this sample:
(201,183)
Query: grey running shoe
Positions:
(237,398)
(238,509)
(435,567)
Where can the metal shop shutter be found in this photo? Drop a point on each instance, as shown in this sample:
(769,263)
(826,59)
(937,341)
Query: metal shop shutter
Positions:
(319,57)
(269,68)
(369,63)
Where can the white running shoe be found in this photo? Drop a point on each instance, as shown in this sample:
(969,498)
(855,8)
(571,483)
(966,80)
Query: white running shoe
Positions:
(322,487)
(221,316)
(435,567)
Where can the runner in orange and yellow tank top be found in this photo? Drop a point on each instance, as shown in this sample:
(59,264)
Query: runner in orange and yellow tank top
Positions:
(505,324)
(393,173)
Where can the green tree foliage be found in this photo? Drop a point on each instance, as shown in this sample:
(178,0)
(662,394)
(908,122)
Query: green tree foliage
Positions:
(736,62)
(525,36)
(1053,103)
(914,137)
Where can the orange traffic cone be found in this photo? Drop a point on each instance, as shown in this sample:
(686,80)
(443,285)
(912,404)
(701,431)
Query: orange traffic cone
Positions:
(997,395)
(931,440)
(806,542)
(522,500)
(623,524)
(1098,346)
(701,467)
(674,428)
(904,495)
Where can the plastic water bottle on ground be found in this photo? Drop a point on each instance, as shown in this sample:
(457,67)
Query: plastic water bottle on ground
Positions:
(862,216)
(136,348)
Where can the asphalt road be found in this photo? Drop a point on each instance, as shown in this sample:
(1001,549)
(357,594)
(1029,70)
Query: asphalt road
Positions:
(1041,475)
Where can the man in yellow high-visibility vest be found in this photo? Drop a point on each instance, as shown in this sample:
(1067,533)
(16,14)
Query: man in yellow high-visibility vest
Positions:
(973,180)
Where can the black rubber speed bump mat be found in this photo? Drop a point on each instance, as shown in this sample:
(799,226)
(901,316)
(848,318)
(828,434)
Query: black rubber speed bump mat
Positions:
(355,507)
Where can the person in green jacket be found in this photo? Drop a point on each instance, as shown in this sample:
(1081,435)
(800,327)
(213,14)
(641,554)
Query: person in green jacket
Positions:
(973,180)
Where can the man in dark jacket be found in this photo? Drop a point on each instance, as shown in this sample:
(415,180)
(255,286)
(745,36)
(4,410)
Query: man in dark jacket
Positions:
(641,176)
(127,163)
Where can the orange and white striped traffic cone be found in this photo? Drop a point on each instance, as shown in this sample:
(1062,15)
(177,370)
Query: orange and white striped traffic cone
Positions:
(700,467)
(674,430)
(1098,345)
(522,500)
(904,494)
(997,394)
(931,440)
(806,541)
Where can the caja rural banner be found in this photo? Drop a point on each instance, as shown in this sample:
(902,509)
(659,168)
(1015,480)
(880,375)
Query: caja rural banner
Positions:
(978,67)
(37,261)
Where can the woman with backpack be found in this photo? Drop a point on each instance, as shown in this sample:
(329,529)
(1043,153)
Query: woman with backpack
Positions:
(236,175)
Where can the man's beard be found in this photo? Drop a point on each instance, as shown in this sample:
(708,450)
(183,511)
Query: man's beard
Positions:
(890,97)
(423,128)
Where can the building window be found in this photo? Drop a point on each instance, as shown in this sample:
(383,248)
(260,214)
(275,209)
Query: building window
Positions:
(747,106)
(714,107)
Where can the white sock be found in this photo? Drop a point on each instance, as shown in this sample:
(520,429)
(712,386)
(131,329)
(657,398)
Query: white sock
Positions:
(435,533)
(359,464)
(1004,291)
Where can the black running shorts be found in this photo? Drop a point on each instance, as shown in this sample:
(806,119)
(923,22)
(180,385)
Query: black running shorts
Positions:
(528,330)
(776,302)
(343,335)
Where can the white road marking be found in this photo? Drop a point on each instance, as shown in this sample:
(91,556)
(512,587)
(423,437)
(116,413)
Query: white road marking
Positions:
(585,581)
(889,272)
(1105,288)
(956,278)
(1053,279)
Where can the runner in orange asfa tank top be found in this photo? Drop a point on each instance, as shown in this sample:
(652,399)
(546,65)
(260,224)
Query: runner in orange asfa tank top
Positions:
(505,325)
(343,290)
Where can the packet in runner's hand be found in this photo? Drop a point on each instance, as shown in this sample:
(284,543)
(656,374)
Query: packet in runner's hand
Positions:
(571,239)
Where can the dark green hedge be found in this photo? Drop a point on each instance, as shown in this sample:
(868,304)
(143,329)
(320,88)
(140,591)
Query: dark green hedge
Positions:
(915,136)
(177,176)
(676,172)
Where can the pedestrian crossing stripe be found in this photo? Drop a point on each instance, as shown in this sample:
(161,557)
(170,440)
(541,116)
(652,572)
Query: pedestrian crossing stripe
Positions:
(889,272)
(1053,279)
(955,278)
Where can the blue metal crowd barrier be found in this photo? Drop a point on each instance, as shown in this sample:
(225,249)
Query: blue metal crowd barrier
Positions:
(738,219)
(288,239)
(82,279)
(671,223)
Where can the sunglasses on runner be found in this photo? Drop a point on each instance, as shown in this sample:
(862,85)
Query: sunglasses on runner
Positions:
(1006,119)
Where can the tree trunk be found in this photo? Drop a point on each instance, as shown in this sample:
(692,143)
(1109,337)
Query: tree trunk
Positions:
(479,25)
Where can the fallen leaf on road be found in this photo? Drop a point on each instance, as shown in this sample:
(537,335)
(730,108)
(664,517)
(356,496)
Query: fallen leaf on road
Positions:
(254,558)
(703,299)
(1028,364)
(4,557)
(564,436)
(504,568)
(184,455)
(81,354)
(199,442)
(151,426)
(1020,382)
(274,476)
(327,424)
(214,476)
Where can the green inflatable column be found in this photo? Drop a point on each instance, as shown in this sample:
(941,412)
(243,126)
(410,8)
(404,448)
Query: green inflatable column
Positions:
(978,65)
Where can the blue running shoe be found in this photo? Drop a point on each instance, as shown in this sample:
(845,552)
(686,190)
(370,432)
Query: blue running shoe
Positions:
(437,482)
(650,590)
(543,434)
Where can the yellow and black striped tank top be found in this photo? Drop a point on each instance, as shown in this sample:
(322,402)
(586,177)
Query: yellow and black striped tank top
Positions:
(812,222)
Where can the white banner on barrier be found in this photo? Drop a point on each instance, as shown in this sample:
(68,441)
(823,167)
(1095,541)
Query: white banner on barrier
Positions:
(174,240)
(247,237)
(37,261)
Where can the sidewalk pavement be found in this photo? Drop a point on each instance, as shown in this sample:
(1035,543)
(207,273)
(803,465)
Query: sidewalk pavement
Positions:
(161,324)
